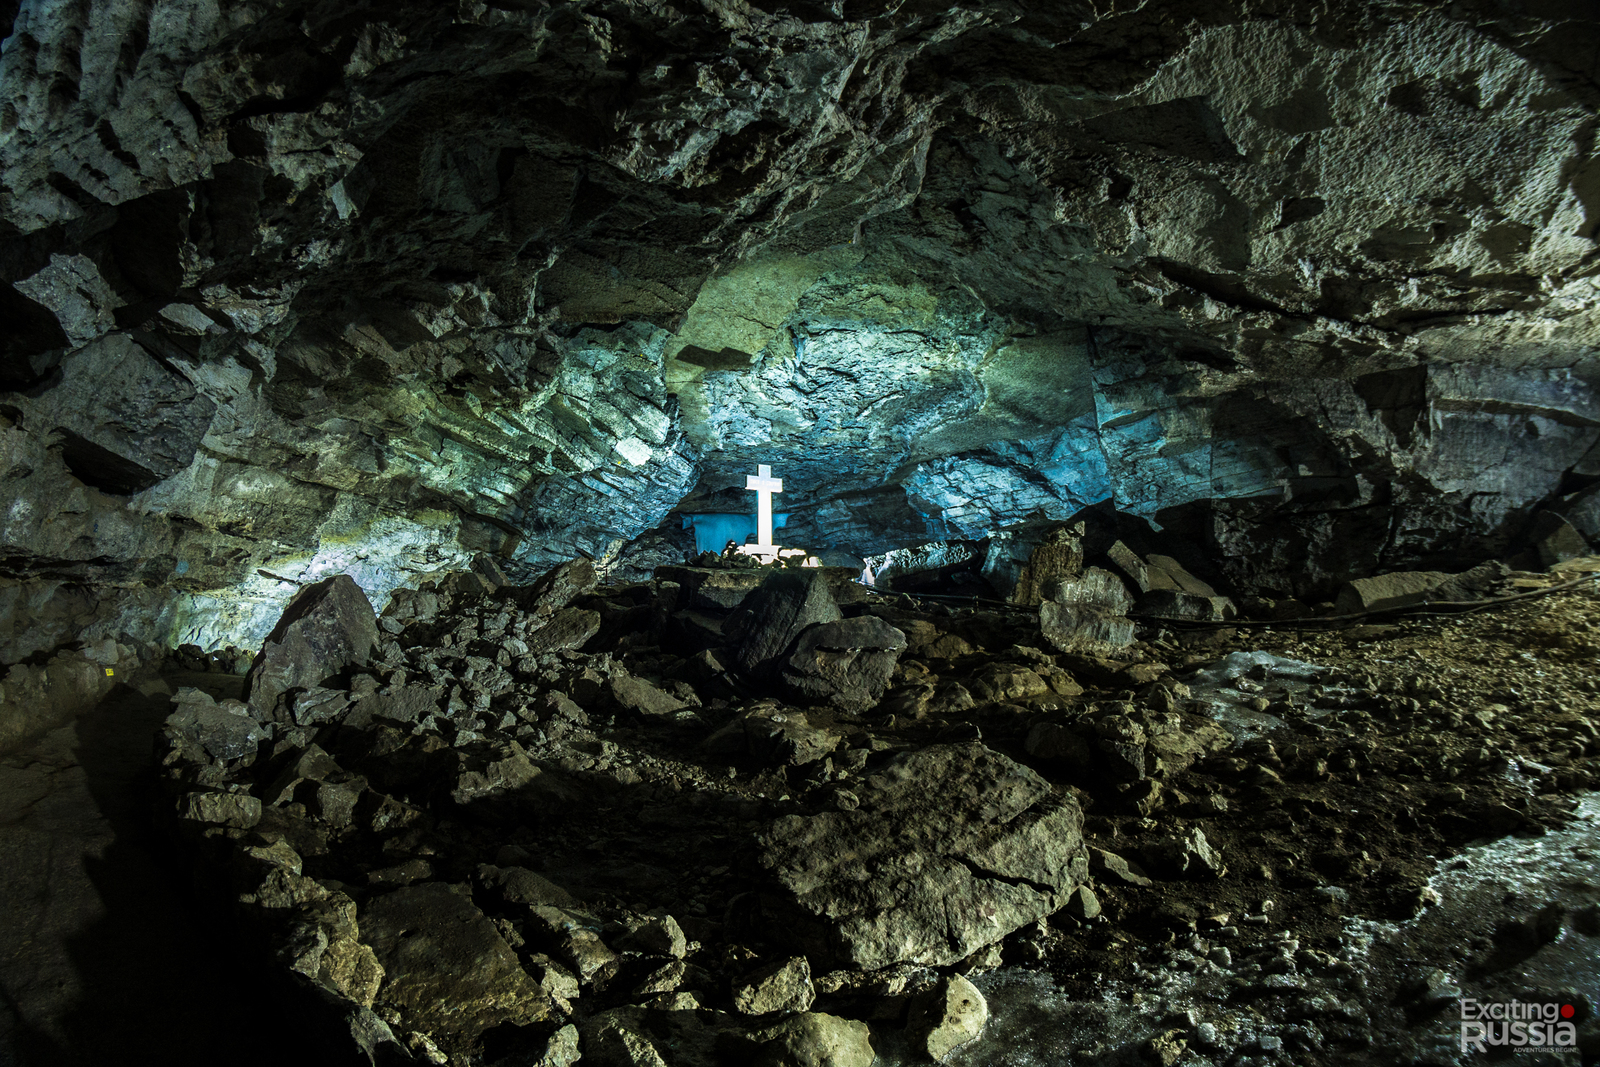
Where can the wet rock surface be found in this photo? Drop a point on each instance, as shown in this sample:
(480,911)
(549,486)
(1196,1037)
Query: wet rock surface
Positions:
(750,878)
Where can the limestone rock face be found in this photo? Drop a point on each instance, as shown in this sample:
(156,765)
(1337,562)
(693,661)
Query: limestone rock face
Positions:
(126,422)
(284,300)
(952,848)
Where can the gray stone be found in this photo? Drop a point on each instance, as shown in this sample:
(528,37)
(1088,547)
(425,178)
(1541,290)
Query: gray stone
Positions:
(1084,905)
(782,986)
(518,885)
(562,1049)
(556,588)
(1178,576)
(492,769)
(659,936)
(950,1016)
(1556,540)
(952,848)
(847,663)
(1084,628)
(1187,855)
(1109,865)
(885,567)
(1582,509)
(405,703)
(642,1037)
(567,628)
(221,809)
(445,964)
(335,803)
(1025,564)
(781,608)
(326,628)
(712,589)
(813,1039)
(571,936)
(1007,682)
(372,1035)
(1176,741)
(1177,604)
(209,731)
(641,697)
(1096,588)
(1144,577)
(316,705)
(1383,592)
(312,763)
(774,734)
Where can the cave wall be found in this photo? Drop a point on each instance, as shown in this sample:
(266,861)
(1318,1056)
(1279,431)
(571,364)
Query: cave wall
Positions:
(298,288)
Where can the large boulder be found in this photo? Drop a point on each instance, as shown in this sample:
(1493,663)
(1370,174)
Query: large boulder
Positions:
(326,628)
(641,1037)
(445,964)
(1582,510)
(786,603)
(1084,628)
(567,628)
(773,734)
(557,588)
(1401,589)
(1087,613)
(1025,562)
(847,663)
(952,848)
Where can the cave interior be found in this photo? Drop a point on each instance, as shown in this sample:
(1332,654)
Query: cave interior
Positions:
(1188,415)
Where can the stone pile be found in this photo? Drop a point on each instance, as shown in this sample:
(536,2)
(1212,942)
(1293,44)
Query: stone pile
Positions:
(760,816)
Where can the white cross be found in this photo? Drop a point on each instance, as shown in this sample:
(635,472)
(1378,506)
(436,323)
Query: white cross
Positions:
(764,485)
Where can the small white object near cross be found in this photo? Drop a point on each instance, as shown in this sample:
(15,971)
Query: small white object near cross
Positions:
(763,484)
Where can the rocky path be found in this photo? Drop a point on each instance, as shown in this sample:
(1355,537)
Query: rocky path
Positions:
(106,957)
(506,826)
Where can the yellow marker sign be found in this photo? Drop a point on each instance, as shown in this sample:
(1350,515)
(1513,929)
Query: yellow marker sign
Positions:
(109,672)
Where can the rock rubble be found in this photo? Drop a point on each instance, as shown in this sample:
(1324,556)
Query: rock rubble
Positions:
(488,854)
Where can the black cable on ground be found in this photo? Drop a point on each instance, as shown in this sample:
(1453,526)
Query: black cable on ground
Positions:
(1455,607)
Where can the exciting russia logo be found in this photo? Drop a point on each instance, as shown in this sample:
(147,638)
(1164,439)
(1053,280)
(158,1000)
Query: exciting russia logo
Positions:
(1517,1025)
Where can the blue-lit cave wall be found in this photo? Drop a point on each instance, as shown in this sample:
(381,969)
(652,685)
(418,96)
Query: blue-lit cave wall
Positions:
(713,530)
(285,299)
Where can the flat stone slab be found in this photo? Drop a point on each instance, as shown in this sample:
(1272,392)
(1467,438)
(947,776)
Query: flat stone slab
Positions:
(952,848)
(445,962)
(723,589)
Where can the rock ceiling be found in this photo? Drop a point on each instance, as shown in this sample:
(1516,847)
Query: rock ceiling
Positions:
(301,288)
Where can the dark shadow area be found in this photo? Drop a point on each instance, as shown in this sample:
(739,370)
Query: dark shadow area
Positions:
(167,978)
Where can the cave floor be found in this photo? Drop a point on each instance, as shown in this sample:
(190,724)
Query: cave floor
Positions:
(106,955)
(1408,824)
